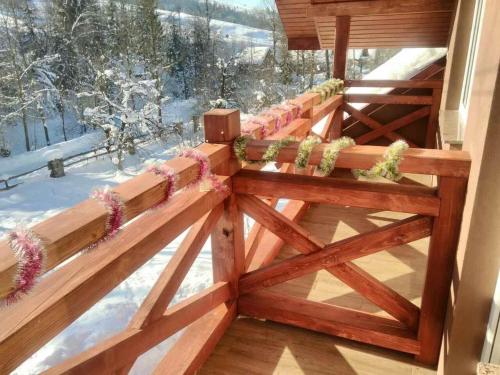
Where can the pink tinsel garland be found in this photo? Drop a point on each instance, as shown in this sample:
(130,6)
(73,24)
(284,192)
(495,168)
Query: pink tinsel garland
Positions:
(276,116)
(204,173)
(169,175)
(30,255)
(114,206)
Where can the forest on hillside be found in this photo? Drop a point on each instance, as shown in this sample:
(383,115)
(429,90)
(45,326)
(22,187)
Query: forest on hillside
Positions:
(114,66)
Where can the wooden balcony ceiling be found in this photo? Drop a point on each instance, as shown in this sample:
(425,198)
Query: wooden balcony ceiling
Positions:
(310,24)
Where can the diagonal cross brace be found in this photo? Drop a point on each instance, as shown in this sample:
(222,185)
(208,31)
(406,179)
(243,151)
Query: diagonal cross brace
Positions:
(371,288)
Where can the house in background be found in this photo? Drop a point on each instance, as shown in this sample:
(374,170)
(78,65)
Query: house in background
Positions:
(338,275)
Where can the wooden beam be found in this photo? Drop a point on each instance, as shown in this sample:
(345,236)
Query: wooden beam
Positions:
(116,351)
(373,124)
(338,191)
(366,8)
(421,161)
(394,125)
(433,124)
(363,244)
(389,99)
(342,26)
(197,342)
(338,123)
(270,244)
(176,270)
(286,229)
(384,297)
(328,106)
(411,83)
(68,232)
(228,244)
(440,267)
(303,43)
(61,297)
(329,319)
(377,293)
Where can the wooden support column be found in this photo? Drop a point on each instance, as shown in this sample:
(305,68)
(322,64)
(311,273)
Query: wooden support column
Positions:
(440,265)
(338,123)
(342,27)
(433,124)
(228,246)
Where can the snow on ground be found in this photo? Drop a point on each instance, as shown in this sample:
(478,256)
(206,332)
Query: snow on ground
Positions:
(21,162)
(231,32)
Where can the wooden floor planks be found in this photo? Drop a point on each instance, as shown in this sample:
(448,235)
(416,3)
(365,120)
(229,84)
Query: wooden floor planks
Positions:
(259,347)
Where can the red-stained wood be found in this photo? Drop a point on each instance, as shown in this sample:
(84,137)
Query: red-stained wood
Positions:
(440,266)
(433,124)
(333,320)
(388,99)
(61,297)
(328,106)
(342,27)
(339,191)
(270,244)
(116,351)
(373,124)
(420,161)
(393,125)
(221,125)
(286,229)
(338,123)
(176,270)
(228,244)
(75,228)
(412,83)
(363,244)
(197,342)
(375,291)
(378,293)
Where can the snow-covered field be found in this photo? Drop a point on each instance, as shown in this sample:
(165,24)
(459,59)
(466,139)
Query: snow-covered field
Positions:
(230,32)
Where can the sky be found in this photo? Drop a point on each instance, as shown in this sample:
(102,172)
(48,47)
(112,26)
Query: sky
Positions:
(243,3)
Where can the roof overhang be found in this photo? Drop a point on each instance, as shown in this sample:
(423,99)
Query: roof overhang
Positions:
(311,24)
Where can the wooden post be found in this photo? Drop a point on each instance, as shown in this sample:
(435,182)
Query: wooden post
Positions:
(342,27)
(228,245)
(338,122)
(432,125)
(440,265)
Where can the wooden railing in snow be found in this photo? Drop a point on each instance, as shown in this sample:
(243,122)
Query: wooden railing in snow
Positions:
(241,267)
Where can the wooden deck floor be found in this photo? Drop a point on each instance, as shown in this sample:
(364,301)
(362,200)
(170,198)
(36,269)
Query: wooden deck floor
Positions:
(260,347)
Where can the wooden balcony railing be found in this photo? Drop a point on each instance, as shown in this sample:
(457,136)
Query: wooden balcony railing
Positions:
(241,267)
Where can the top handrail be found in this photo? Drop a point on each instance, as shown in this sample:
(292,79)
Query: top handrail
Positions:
(390,83)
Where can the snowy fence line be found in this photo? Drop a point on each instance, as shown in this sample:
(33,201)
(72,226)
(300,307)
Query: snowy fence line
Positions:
(95,155)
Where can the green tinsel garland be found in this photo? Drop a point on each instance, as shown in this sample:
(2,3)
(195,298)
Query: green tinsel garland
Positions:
(270,155)
(328,88)
(305,150)
(389,167)
(331,153)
